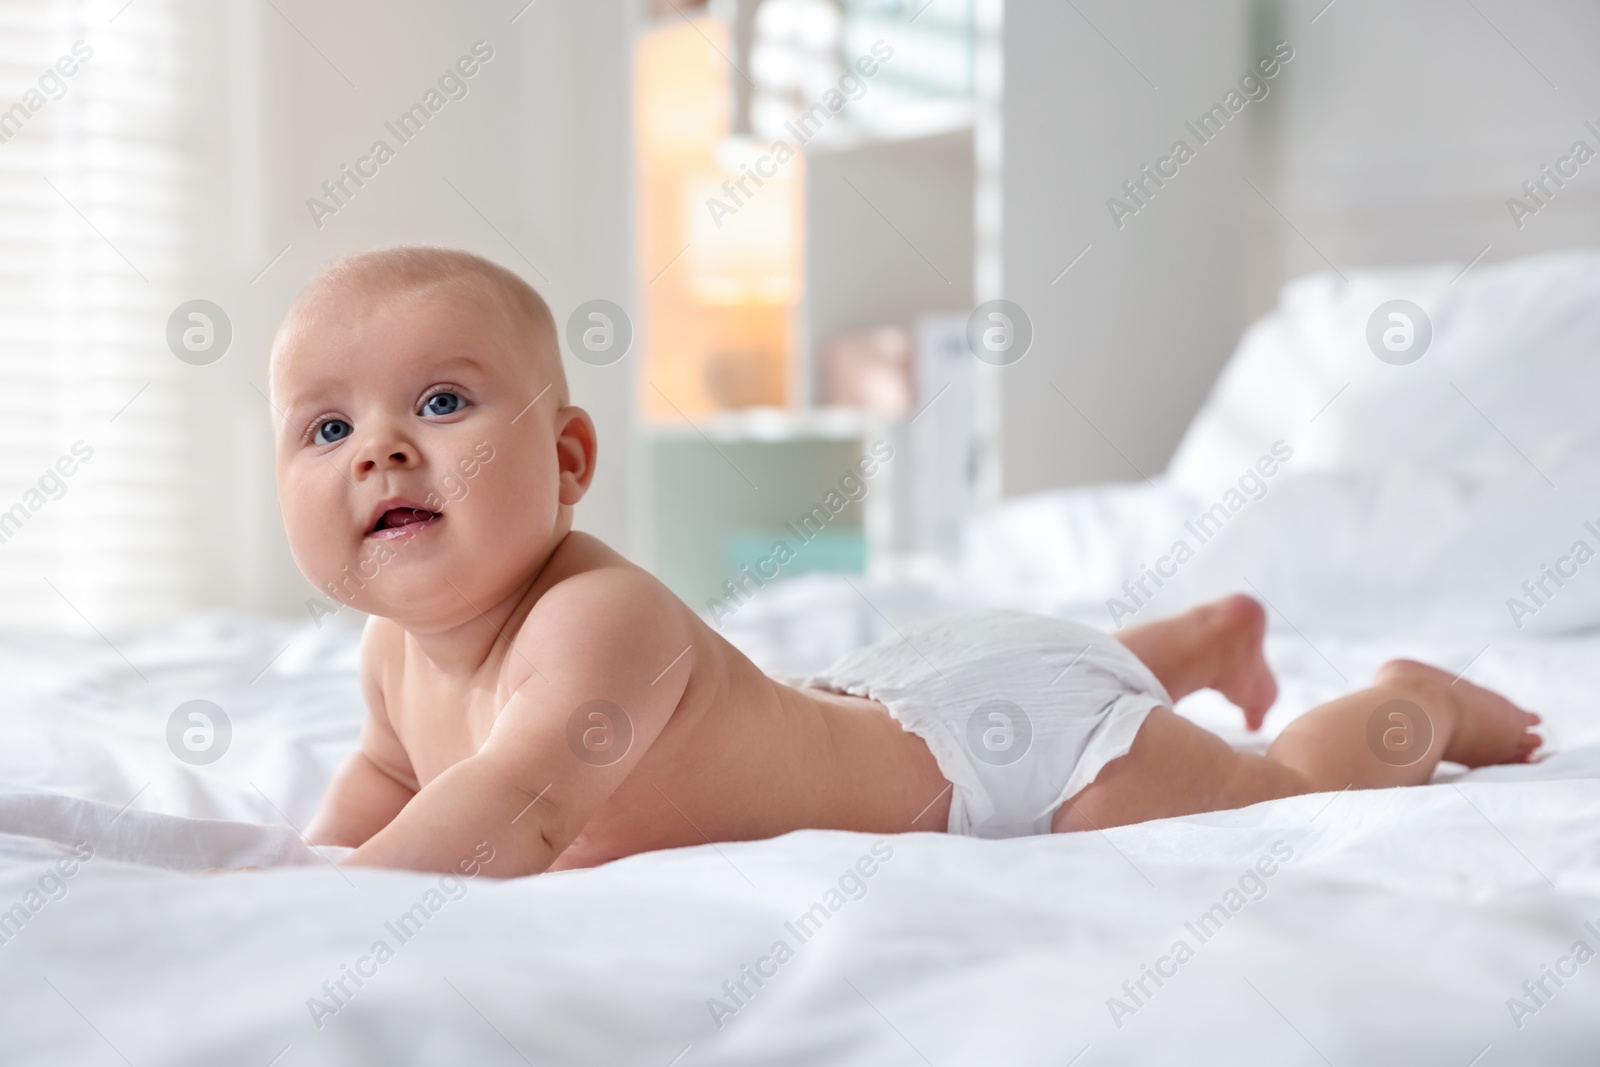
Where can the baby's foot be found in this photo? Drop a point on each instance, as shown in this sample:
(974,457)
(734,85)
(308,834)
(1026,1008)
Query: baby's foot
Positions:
(1238,625)
(1488,728)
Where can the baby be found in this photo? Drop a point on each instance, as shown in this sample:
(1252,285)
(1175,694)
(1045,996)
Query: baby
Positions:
(535,698)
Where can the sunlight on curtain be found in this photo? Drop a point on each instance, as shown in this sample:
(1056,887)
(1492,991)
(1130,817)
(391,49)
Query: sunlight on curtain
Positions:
(92,252)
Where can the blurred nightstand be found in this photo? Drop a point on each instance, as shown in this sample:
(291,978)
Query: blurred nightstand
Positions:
(740,499)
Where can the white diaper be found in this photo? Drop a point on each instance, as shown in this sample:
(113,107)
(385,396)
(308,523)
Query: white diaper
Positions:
(1020,711)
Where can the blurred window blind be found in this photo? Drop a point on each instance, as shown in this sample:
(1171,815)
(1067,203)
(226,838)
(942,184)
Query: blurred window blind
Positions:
(800,49)
(92,252)
(935,50)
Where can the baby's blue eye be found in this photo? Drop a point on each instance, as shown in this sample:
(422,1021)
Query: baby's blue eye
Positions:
(333,430)
(443,404)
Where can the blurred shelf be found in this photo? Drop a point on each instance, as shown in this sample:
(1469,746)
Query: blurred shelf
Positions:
(772,424)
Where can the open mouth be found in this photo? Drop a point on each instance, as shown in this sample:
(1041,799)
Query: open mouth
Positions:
(394,523)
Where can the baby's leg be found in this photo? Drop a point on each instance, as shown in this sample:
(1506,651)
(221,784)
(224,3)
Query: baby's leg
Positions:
(1177,768)
(1212,646)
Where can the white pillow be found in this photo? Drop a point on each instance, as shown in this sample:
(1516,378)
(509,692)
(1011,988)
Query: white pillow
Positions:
(1513,367)
(1418,502)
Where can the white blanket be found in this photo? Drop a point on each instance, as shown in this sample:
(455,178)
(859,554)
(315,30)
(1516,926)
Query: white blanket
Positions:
(1456,923)
(1398,929)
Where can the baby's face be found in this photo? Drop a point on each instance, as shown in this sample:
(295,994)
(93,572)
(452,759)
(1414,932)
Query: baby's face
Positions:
(421,473)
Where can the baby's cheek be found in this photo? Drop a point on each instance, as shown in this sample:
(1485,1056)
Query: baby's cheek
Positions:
(509,498)
(523,500)
(310,520)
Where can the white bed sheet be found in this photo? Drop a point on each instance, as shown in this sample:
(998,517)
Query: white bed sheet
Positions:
(1406,926)
(1395,933)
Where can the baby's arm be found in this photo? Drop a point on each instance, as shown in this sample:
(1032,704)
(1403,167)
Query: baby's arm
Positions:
(363,798)
(604,635)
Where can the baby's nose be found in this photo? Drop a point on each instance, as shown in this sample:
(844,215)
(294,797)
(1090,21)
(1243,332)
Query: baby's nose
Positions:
(396,457)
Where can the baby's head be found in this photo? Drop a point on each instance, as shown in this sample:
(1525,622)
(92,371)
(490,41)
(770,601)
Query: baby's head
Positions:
(428,457)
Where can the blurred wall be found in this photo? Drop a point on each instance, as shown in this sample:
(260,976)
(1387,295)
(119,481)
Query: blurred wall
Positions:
(1128,339)
(1403,129)
(530,168)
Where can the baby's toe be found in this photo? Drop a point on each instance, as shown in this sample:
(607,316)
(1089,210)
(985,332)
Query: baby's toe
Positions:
(1527,747)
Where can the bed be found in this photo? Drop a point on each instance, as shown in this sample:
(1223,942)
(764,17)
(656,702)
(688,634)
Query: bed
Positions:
(1455,923)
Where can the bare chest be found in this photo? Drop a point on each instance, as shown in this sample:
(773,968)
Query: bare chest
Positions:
(442,722)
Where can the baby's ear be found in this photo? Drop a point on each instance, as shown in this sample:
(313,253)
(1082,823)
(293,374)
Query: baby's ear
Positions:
(576,450)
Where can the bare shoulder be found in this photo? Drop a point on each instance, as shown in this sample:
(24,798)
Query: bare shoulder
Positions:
(601,614)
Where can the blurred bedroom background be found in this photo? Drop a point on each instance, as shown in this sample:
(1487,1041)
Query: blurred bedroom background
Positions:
(771,313)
